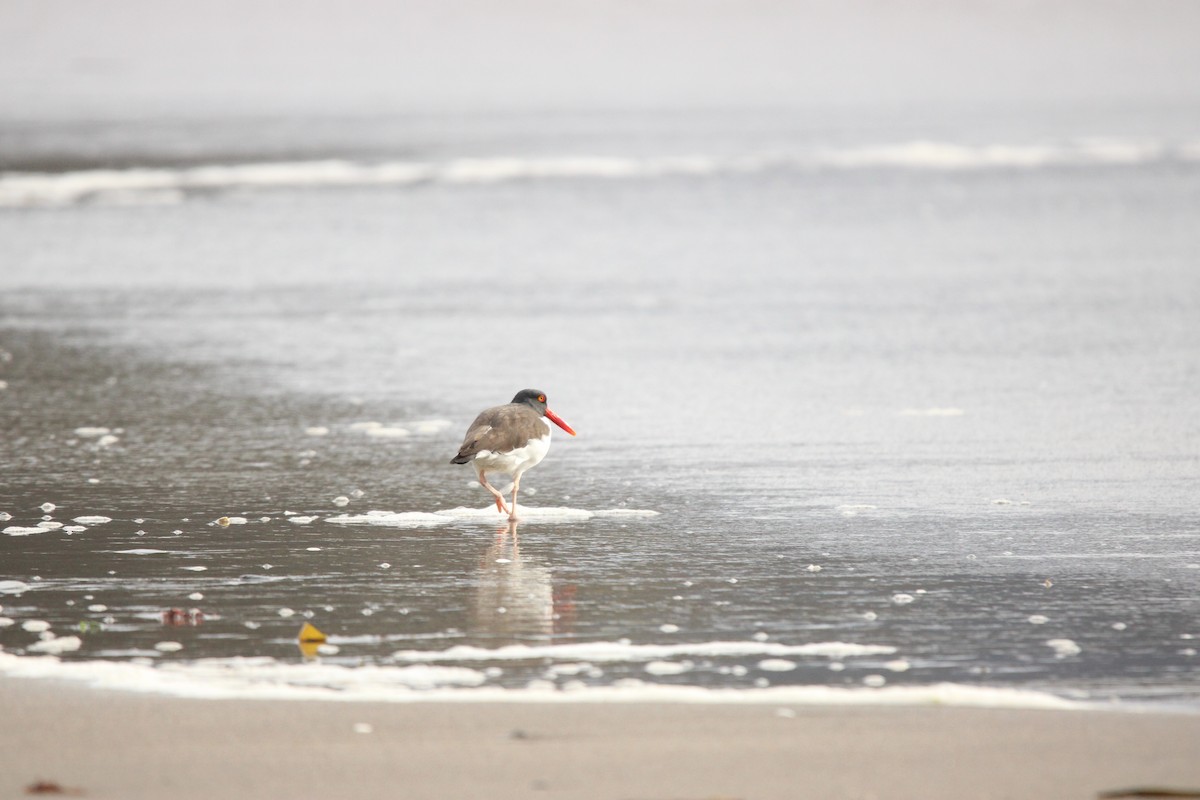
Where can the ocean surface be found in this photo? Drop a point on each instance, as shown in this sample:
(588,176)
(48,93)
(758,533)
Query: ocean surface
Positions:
(869,408)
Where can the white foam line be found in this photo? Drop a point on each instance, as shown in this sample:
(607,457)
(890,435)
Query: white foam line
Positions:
(525,513)
(245,677)
(532,514)
(622,651)
(168,185)
(391,519)
(265,679)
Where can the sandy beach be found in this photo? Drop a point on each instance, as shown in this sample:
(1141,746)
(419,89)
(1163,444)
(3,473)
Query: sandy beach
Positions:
(129,745)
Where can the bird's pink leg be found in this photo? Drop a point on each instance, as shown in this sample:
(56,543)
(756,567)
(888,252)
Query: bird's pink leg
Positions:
(499,497)
(516,485)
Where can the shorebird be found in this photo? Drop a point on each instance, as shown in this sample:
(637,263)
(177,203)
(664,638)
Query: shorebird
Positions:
(509,439)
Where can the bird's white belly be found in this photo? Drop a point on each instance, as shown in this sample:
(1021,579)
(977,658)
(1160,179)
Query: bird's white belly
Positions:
(516,461)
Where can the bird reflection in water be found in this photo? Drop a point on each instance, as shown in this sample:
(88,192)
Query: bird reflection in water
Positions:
(515,598)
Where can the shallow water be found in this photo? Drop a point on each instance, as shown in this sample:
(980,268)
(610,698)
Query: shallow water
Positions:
(893,423)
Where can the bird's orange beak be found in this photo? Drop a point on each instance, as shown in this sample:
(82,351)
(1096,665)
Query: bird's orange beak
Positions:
(550,415)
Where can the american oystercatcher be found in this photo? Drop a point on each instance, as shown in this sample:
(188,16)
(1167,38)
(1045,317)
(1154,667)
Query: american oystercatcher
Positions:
(509,439)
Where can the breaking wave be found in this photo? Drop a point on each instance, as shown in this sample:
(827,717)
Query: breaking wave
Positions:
(171,185)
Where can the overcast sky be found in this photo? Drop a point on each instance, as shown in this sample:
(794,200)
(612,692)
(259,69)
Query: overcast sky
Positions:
(66,58)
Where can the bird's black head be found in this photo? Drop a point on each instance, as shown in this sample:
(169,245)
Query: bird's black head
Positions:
(536,400)
(533,398)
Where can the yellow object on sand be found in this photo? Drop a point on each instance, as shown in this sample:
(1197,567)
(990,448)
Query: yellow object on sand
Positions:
(309,633)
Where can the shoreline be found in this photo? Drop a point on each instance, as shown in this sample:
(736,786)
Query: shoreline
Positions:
(231,679)
(428,683)
(124,744)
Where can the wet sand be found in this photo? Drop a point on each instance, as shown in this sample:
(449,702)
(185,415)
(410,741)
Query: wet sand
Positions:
(128,745)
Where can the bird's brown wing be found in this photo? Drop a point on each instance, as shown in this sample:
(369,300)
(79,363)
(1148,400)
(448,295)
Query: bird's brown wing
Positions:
(500,430)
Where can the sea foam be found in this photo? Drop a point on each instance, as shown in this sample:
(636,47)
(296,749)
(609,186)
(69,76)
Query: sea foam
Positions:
(627,652)
(266,678)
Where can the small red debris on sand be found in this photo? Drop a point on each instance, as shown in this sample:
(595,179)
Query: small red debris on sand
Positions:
(178,617)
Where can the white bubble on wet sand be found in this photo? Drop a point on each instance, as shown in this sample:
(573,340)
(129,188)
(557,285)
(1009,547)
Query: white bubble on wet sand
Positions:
(90,432)
(1063,648)
(1038,619)
(35,625)
(19,530)
(317,430)
(341,500)
(902,599)
(92,520)
(854,509)
(56,645)
(669,627)
(47,507)
(168,647)
(777,665)
(668,667)
(874,681)
(300,520)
